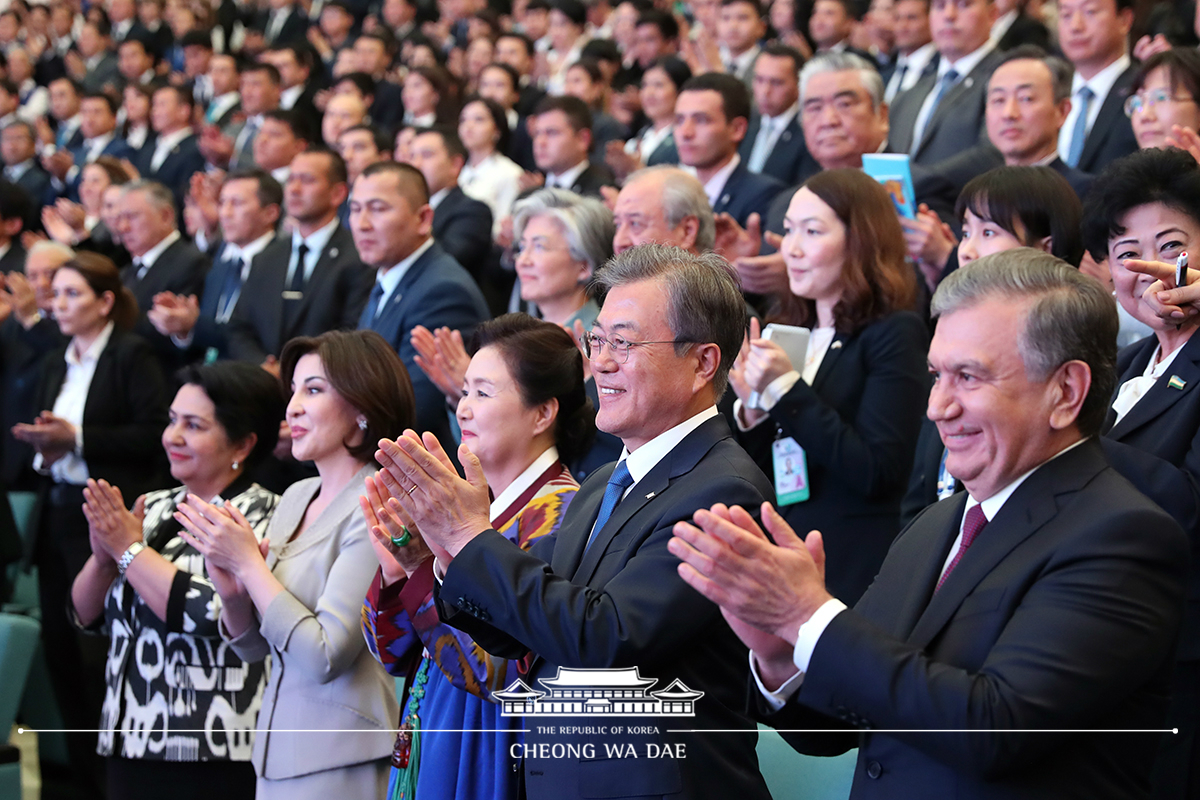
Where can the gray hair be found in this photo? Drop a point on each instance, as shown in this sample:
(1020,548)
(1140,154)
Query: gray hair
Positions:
(682,197)
(843,62)
(157,195)
(51,246)
(1072,318)
(586,222)
(704,299)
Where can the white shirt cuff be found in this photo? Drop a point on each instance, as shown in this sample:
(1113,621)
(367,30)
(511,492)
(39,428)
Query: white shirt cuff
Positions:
(810,632)
(776,389)
(778,698)
(183,342)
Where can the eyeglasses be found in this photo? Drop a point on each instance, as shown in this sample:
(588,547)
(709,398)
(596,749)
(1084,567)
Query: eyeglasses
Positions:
(1136,103)
(593,345)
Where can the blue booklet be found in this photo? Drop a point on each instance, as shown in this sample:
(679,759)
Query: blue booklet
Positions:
(893,171)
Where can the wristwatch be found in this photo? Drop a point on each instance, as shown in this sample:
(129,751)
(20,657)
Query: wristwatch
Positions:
(129,555)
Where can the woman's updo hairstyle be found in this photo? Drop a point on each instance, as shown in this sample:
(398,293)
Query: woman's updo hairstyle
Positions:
(102,275)
(546,364)
(246,400)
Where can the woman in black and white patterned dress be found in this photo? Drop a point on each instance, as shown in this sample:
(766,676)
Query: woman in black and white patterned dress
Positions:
(179,706)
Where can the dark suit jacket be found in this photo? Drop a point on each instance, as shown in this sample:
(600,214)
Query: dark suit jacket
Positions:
(789,160)
(124,416)
(591,180)
(1166,423)
(528,99)
(1025,30)
(1080,181)
(435,291)
(858,424)
(13,259)
(21,354)
(1062,615)
(463,227)
(295,27)
(105,73)
(36,183)
(622,604)
(1111,135)
(180,269)
(387,111)
(956,124)
(177,168)
(747,193)
(333,298)
(665,153)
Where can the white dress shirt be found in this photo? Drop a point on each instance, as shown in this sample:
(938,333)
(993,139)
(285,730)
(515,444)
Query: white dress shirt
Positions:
(70,403)
(390,278)
(773,128)
(1100,84)
(909,69)
(164,146)
(315,242)
(146,260)
(493,181)
(1135,388)
(715,185)
(644,146)
(566,179)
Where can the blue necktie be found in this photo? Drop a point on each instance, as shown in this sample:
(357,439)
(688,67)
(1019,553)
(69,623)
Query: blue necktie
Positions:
(372,308)
(948,80)
(1079,133)
(618,482)
(230,288)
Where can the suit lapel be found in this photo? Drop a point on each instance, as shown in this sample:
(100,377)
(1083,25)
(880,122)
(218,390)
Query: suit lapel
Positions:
(830,360)
(925,564)
(101,377)
(1107,117)
(568,549)
(1162,395)
(323,272)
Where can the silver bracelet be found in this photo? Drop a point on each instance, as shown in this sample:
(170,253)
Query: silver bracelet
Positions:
(128,556)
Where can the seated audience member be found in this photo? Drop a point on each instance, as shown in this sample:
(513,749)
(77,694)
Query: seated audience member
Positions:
(342,112)
(175,156)
(1081,575)
(136,130)
(302,604)
(27,333)
(163,261)
(314,282)
(98,126)
(740,26)
(831,25)
(654,144)
(516,50)
(1094,36)
(663,205)
(501,84)
(417,282)
(249,210)
(15,211)
(562,140)
(64,96)
(282,22)
(711,116)
(1164,93)
(461,224)
(428,97)
(260,87)
(585,81)
(1028,99)
(488,175)
(144,582)
(1146,207)
(626,604)
(841,427)
(1005,208)
(360,147)
(103,407)
(282,137)
(374,54)
(226,100)
(298,88)
(655,36)
(566,37)
(97,67)
(525,417)
(18,147)
(34,99)
(82,225)
(942,114)
(774,143)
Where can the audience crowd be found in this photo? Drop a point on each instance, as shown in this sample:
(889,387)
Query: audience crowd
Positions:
(378,367)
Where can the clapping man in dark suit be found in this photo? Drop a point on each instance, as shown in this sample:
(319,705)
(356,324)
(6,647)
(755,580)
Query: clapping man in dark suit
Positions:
(163,261)
(175,156)
(417,282)
(18,147)
(774,142)
(249,209)
(711,117)
(603,594)
(1094,36)
(314,282)
(461,225)
(1047,597)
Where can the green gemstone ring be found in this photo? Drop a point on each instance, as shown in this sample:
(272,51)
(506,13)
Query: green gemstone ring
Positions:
(404,538)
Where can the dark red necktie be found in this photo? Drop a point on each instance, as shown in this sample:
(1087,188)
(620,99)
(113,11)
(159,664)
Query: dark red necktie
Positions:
(972,525)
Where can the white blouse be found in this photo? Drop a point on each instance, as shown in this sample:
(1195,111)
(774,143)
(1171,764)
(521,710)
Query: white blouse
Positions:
(495,181)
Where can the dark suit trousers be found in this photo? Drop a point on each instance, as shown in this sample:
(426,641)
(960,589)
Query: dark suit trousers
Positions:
(1176,773)
(75,661)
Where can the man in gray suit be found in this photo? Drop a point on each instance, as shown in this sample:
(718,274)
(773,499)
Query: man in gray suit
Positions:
(942,114)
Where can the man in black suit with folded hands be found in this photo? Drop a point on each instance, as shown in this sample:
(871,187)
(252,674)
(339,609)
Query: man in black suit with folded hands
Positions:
(604,593)
(1046,597)
(314,281)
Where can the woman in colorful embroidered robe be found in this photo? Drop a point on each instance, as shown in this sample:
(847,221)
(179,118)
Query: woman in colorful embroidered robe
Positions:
(524,414)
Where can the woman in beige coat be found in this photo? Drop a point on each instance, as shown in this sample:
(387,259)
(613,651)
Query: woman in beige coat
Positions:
(327,713)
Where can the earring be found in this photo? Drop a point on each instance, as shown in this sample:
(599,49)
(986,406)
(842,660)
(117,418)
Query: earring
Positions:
(362,423)
(235,465)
